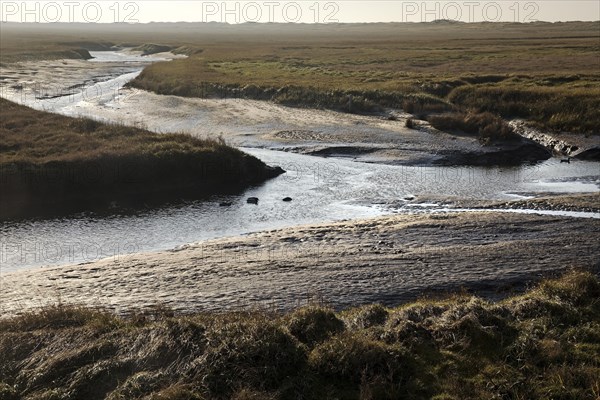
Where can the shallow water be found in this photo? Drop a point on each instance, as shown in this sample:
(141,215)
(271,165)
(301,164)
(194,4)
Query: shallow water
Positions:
(72,87)
(322,190)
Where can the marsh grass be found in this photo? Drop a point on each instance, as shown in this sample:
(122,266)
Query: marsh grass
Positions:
(486,126)
(458,68)
(151,48)
(56,159)
(546,73)
(552,102)
(37,138)
(540,344)
(559,107)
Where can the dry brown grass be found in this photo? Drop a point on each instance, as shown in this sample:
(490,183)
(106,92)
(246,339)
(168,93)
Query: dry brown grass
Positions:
(515,70)
(48,159)
(35,137)
(487,126)
(541,344)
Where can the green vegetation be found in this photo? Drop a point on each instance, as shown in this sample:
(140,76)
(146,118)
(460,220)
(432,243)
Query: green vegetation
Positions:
(539,345)
(150,48)
(487,126)
(425,69)
(567,105)
(544,72)
(47,158)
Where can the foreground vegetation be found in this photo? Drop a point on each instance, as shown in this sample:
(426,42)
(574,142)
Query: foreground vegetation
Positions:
(50,159)
(542,344)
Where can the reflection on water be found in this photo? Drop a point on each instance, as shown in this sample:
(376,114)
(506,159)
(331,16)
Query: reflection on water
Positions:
(69,87)
(321,189)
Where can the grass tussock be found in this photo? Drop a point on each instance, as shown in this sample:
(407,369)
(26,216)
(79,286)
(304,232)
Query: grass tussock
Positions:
(48,156)
(486,126)
(150,48)
(558,107)
(544,343)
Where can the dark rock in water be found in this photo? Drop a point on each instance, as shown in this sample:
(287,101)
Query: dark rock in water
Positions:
(252,200)
(224,204)
(287,199)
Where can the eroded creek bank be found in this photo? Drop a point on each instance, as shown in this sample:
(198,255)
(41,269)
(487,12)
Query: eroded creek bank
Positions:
(578,146)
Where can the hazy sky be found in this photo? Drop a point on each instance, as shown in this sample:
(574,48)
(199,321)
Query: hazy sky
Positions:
(307,11)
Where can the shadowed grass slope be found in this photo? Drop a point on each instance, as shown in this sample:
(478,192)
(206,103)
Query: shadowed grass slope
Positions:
(487,126)
(52,157)
(542,344)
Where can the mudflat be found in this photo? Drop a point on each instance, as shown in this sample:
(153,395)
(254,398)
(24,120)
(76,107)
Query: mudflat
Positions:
(390,260)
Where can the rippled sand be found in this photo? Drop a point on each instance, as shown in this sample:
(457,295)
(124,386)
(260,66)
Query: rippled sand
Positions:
(387,259)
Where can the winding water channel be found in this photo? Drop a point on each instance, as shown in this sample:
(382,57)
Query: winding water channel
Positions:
(323,189)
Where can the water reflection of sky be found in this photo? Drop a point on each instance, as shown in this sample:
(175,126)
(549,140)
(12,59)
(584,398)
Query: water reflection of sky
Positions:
(322,190)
